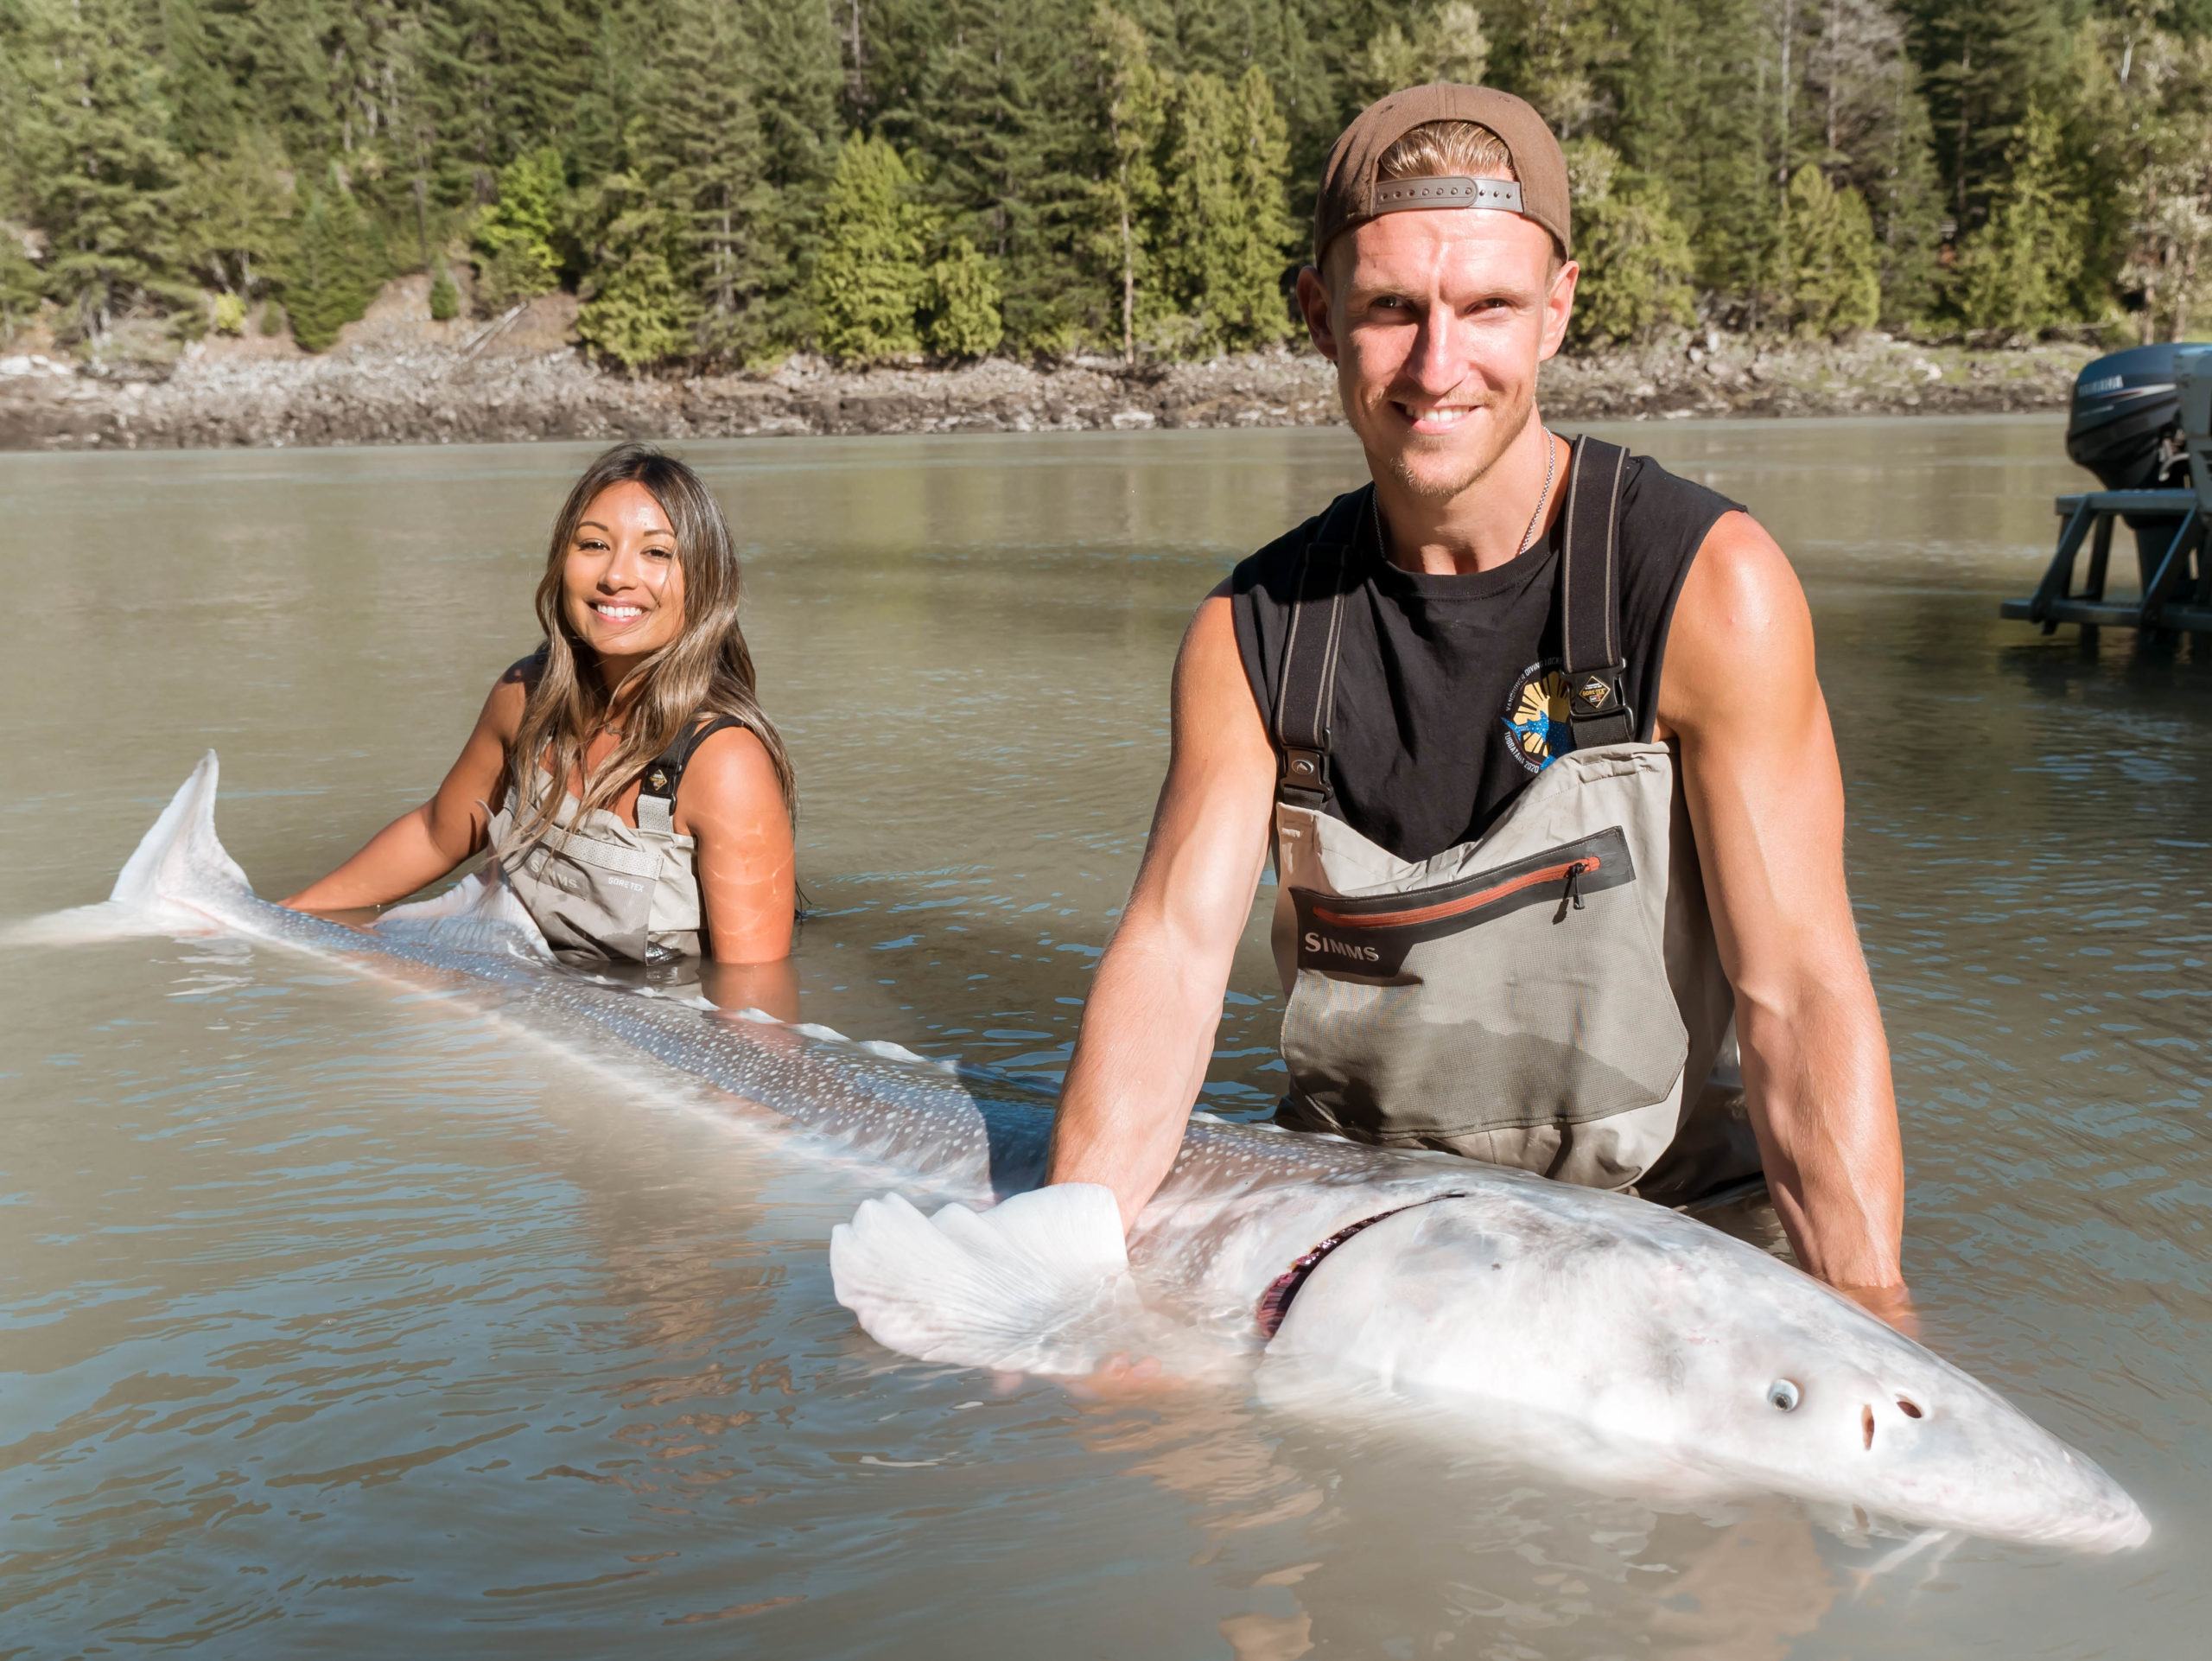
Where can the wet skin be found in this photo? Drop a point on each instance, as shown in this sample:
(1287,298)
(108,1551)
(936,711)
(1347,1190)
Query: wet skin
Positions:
(622,593)
(1438,322)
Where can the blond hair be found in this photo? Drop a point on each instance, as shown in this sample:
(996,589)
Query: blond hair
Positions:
(1447,149)
(1453,150)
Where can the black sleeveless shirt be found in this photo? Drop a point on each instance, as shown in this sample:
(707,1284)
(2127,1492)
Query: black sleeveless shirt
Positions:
(1449,695)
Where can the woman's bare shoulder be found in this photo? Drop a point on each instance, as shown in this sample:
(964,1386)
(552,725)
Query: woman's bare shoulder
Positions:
(503,708)
(730,774)
(734,756)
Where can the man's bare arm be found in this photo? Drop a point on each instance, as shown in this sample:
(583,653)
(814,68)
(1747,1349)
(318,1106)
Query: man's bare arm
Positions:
(1148,1026)
(1766,796)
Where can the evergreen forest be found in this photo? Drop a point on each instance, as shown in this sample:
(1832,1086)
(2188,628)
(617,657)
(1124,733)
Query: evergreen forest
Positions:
(725,182)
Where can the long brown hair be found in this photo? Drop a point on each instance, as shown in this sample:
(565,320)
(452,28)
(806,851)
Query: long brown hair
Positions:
(706,669)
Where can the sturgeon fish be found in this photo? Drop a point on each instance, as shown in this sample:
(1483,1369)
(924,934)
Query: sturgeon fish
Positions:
(1491,1297)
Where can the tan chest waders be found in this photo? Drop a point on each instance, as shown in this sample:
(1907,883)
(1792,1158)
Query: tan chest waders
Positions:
(1549,996)
(601,888)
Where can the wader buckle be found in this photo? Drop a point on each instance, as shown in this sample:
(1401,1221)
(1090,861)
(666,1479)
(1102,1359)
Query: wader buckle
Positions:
(1595,691)
(1305,772)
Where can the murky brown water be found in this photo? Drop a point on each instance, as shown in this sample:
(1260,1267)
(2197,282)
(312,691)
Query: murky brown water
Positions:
(338,1321)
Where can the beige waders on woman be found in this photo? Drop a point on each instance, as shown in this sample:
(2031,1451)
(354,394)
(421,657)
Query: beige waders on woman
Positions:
(1549,996)
(601,889)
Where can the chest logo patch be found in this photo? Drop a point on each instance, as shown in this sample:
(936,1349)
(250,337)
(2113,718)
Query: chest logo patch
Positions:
(1536,727)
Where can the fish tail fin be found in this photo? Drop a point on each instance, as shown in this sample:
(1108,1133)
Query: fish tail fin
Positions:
(181,860)
(178,870)
(1038,1283)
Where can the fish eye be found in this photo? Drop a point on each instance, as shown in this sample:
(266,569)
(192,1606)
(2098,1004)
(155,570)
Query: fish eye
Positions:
(1784,1394)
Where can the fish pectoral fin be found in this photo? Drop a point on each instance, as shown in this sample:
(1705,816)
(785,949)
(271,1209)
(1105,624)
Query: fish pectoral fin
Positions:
(480,913)
(1039,1283)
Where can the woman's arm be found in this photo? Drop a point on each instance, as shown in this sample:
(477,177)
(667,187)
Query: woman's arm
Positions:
(419,847)
(730,804)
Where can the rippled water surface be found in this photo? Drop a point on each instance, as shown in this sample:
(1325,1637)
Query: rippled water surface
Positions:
(336,1319)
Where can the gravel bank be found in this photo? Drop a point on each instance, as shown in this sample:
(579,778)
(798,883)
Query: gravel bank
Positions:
(397,379)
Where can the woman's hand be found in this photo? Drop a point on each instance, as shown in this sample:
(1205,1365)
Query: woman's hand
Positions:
(422,845)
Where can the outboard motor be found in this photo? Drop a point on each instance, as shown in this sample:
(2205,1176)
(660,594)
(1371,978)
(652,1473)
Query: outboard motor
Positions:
(2192,386)
(2126,425)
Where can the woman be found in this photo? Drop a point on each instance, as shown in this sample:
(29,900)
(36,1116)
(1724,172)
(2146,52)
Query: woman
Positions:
(668,829)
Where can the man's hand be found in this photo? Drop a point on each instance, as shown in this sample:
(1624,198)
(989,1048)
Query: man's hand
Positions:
(1889,1303)
(1765,797)
(1148,1026)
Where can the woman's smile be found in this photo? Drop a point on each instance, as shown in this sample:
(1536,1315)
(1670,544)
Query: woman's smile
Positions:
(622,582)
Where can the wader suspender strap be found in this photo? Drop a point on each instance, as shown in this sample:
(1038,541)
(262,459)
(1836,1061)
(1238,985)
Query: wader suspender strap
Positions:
(1306,698)
(656,796)
(1590,597)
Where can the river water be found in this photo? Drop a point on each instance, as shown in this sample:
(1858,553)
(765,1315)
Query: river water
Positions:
(335,1321)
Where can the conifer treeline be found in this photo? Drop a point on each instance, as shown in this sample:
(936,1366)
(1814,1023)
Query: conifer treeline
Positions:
(727,180)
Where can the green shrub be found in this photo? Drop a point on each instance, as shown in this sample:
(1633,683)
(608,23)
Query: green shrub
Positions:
(1634,255)
(963,320)
(334,272)
(445,295)
(518,238)
(1835,274)
(230,314)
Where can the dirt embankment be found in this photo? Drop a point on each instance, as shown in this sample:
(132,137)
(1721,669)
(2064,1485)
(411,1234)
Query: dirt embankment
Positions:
(396,378)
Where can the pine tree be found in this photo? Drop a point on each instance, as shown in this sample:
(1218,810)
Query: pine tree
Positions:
(869,281)
(445,295)
(234,216)
(1833,281)
(21,283)
(519,237)
(1634,254)
(500,78)
(996,107)
(1227,232)
(960,305)
(1984,63)
(334,270)
(202,101)
(103,176)
(796,80)
(1448,43)
(636,309)
(698,139)
(1130,193)
(2016,273)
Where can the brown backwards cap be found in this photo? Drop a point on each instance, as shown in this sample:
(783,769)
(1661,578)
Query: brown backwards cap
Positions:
(1350,194)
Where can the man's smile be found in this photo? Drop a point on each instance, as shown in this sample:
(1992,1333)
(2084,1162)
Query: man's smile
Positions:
(1443,418)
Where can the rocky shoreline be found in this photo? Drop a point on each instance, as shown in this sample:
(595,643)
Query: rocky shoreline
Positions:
(395,377)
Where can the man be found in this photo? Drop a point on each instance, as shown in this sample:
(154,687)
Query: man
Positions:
(1554,804)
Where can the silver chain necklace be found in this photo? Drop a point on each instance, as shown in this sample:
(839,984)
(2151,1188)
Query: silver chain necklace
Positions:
(1551,462)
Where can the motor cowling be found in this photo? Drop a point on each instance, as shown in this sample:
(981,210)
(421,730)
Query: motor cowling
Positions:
(2126,422)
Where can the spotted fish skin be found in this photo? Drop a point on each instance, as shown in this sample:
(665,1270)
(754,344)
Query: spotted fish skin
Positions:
(1494,1298)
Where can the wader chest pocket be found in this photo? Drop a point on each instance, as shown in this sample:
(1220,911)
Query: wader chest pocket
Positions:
(1491,1011)
(1370,937)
